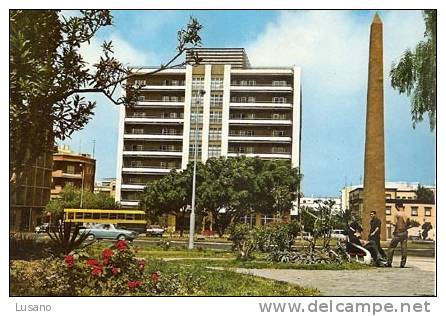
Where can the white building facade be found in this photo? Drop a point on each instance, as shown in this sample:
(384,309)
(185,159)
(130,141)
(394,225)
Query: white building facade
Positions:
(223,106)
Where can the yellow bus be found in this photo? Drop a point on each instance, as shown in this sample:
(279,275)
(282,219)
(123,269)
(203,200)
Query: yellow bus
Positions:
(129,219)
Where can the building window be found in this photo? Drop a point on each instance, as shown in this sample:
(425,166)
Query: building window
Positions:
(428,211)
(216,99)
(388,196)
(163,165)
(135,163)
(251,99)
(140,82)
(139,114)
(197,83)
(141,98)
(198,132)
(251,82)
(215,133)
(249,133)
(192,149)
(137,130)
(196,117)
(71,169)
(167,148)
(243,99)
(137,147)
(277,150)
(278,133)
(414,211)
(234,99)
(215,116)
(165,98)
(135,180)
(388,210)
(217,83)
(279,83)
(214,151)
(279,100)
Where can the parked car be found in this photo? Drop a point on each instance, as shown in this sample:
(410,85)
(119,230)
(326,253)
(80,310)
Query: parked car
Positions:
(108,231)
(338,234)
(154,230)
(42,228)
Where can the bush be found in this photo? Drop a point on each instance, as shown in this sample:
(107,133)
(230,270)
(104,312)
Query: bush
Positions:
(27,246)
(117,271)
(244,240)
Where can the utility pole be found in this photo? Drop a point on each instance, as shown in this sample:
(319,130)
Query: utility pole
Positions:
(82,184)
(194,176)
(94,147)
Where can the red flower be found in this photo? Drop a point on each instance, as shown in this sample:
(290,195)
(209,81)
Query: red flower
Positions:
(97,270)
(141,264)
(134,284)
(92,262)
(107,253)
(121,245)
(155,276)
(106,261)
(114,270)
(69,261)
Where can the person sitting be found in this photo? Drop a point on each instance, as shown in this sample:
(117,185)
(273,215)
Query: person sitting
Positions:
(354,233)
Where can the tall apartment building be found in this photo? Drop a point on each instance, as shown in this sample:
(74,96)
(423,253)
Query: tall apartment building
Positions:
(231,108)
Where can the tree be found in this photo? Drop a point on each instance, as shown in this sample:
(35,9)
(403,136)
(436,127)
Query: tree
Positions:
(70,197)
(48,75)
(425,195)
(226,191)
(416,73)
(277,184)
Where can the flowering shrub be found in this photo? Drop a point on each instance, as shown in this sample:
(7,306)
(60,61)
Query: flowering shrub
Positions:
(117,271)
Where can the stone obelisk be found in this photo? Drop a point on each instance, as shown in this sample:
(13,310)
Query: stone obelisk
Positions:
(374,169)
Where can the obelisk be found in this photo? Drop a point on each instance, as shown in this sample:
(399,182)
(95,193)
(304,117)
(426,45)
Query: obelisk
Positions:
(374,168)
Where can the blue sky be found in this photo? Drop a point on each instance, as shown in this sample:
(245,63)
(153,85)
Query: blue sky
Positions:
(332,49)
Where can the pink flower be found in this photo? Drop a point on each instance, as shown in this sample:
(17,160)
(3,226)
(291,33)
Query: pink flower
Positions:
(121,245)
(155,276)
(97,271)
(141,264)
(92,262)
(107,253)
(134,284)
(69,261)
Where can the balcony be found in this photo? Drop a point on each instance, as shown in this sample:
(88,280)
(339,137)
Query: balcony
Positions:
(259,138)
(164,87)
(153,152)
(154,136)
(261,87)
(260,105)
(61,174)
(160,103)
(147,169)
(132,187)
(153,119)
(269,155)
(251,119)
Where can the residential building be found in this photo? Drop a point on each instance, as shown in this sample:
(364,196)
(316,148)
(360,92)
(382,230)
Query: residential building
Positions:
(224,107)
(399,193)
(107,185)
(29,198)
(72,168)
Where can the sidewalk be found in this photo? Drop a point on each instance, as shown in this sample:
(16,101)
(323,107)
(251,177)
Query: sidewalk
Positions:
(417,279)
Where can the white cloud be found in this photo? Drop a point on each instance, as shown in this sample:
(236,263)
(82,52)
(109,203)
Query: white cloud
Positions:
(123,51)
(332,46)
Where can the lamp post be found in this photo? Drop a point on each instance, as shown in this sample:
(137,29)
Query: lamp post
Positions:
(82,184)
(194,176)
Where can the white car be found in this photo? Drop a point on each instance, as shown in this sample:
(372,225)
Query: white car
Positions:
(109,231)
(155,230)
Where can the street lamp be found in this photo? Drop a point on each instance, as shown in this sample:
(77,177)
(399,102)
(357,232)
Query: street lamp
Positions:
(82,184)
(194,175)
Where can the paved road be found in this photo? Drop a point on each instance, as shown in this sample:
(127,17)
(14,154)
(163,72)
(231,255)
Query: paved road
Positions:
(417,279)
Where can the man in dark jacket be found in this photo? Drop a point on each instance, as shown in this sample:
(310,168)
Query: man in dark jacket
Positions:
(375,232)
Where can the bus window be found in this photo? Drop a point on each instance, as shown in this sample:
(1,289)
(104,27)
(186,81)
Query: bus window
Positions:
(87,215)
(70,215)
(112,215)
(96,215)
(120,216)
(130,216)
(79,215)
(138,217)
(104,215)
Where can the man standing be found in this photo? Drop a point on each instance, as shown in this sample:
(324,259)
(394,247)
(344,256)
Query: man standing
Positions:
(400,236)
(375,232)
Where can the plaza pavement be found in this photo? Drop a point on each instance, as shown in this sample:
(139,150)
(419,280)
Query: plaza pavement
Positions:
(417,279)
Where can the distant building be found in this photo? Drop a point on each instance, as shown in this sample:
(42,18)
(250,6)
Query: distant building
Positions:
(315,201)
(398,192)
(107,185)
(32,194)
(72,168)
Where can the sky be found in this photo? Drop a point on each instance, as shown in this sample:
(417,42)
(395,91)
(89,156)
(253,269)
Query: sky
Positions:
(331,47)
